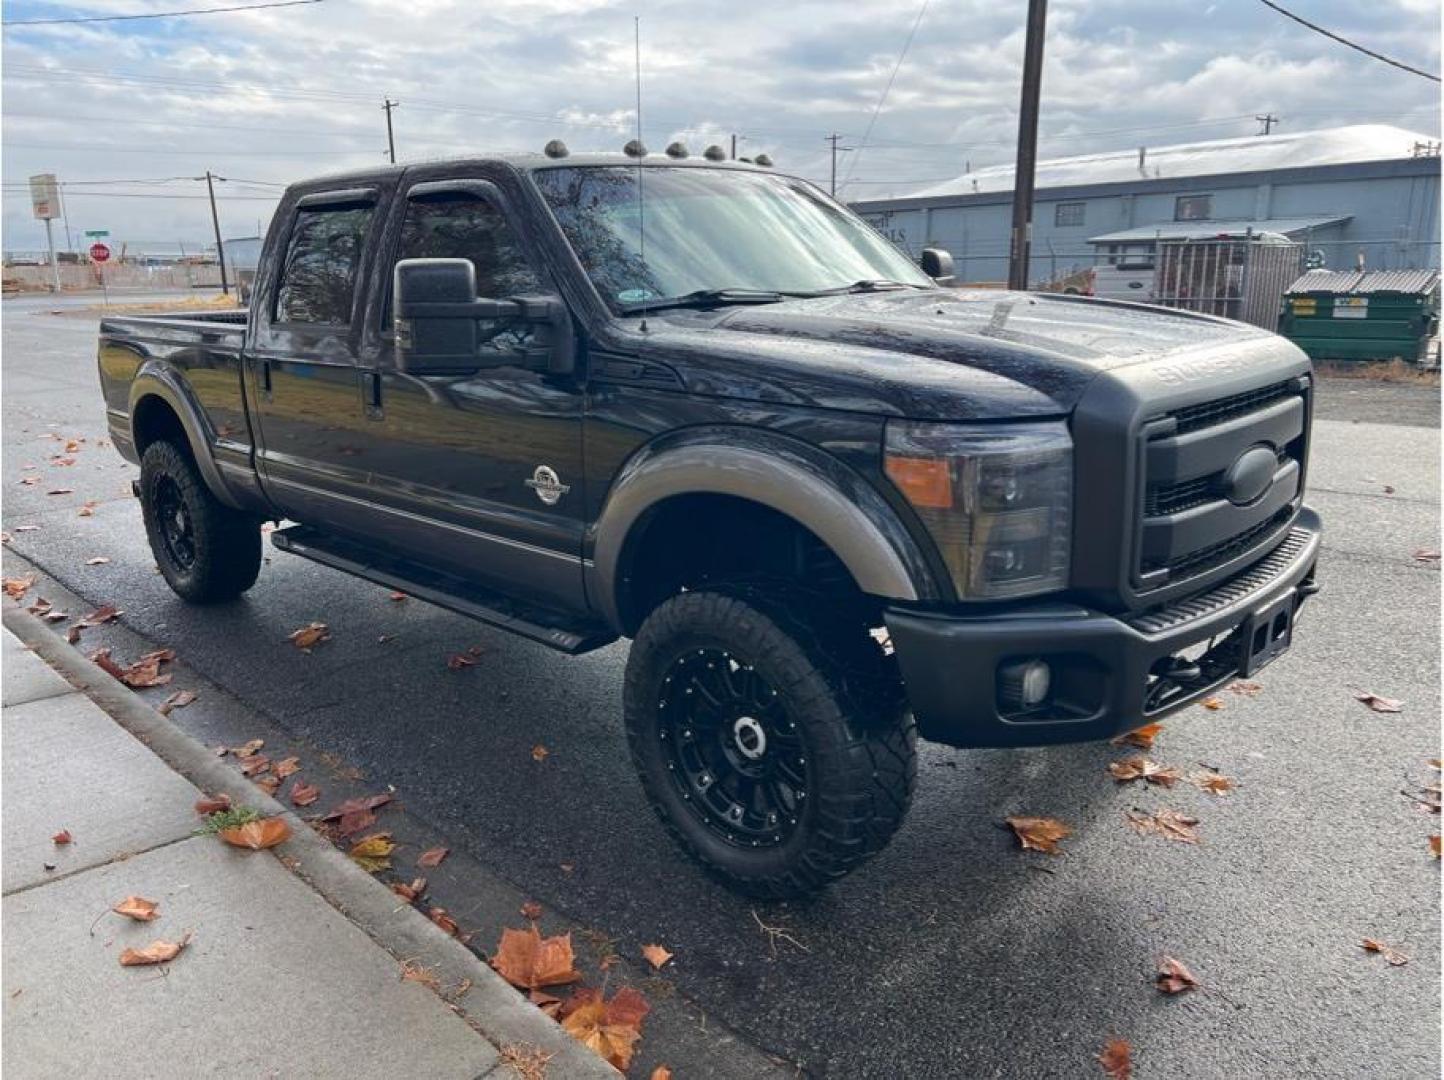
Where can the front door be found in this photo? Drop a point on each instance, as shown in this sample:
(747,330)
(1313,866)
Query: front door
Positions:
(303,374)
(484,468)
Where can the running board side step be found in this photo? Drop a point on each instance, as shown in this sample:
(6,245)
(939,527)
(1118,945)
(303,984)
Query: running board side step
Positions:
(445,590)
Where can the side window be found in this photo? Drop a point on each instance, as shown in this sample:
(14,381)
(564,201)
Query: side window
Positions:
(463,226)
(1193,208)
(323,257)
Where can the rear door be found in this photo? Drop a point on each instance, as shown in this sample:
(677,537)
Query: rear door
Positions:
(304,378)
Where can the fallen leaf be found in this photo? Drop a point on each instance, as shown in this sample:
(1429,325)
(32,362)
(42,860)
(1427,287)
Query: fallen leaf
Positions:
(179,700)
(87,510)
(352,823)
(60,491)
(372,853)
(1394,956)
(1388,489)
(137,908)
(1173,977)
(249,749)
(656,955)
(29,481)
(566,867)
(398,597)
(527,960)
(269,784)
(457,661)
(609,1028)
(98,560)
(1166,823)
(531,910)
(1140,737)
(257,835)
(545,1002)
(1139,767)
(539,752)
(412,892)
(1434,845)
(1246,688)
(40,607)
(255,765)
(432,857)
(286,766)
(1212,704)
(1117,1059)
(61,838)
(304,794)
(661,1072)
(212,804)
(1378,703)
(27,528)
(351,806)
(56,616)
(1039,834)
(145,672)
(157,952)
(439,916)
(412,972)
(1214,783)
(308,637)
(384,638)
(16,587)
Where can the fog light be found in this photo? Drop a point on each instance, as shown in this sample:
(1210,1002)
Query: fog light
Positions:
(1024,685)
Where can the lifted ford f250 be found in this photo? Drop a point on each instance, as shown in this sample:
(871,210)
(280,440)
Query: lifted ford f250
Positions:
(835,505)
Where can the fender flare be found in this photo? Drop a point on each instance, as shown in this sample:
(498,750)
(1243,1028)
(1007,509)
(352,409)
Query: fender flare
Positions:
(156,379)
(839,506)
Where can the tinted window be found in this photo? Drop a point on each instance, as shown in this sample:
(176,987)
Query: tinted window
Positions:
(1069,213)
(318,281)
(465,227)
(1193,208)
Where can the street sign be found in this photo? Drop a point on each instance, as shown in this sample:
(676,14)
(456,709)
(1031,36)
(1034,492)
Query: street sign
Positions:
(45,196)
(99,252)
(97,234)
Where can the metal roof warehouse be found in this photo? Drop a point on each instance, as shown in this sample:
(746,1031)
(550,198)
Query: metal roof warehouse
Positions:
(1369,191)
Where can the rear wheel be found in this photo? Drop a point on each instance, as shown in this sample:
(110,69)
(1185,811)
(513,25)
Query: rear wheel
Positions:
(206,551)
(775,748)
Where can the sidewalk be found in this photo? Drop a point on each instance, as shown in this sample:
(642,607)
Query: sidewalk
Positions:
(276,980)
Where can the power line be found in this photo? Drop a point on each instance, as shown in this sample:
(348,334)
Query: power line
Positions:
(862,146)
(156,14)
(1345,41)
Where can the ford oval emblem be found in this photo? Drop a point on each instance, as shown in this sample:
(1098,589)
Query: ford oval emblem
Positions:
(1250,475)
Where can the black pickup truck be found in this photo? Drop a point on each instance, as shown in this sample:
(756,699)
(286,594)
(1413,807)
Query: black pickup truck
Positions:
(835,504)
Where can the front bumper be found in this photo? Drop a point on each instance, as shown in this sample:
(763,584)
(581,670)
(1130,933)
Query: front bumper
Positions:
(1106,669)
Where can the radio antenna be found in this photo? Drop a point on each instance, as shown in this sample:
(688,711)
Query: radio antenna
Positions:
(641,149)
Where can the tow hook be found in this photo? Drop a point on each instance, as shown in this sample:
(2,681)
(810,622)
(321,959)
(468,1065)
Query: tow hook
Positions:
(1178,671)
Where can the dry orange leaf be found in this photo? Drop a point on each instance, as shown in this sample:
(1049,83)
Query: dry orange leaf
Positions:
(656,955)
(1212,704)
(179,700)
(410,892)
(1434,845)
(1245,687)
(547,1003)
(1173,977)
(304,794)
(1379,703)
(249,749)
(609,1028)
(62,837)
(1214,783)
(255,765)
(352,806)
(1139,767)
(1394,956)
(16,587)
(539,752)
(527,960)
(87,510)
(1117,1059)
(308,637)
(269,784)
(439,916)
(531,910)
(432,857)
(372,853)
(352,823)
(157,952)
(1140,737)
(1169,824)
(661,1072)
(256,835)
(138,908)
(212,804)
(457,661)
(1039,834)
(286,766)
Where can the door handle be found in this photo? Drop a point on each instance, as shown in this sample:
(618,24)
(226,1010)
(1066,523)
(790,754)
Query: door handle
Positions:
(266,378)
(373,395)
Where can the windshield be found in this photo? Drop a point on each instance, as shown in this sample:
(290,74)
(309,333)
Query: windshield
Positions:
(713,230)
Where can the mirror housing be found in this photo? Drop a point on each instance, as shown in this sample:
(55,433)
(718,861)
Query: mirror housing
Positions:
(436,311)
(937,263)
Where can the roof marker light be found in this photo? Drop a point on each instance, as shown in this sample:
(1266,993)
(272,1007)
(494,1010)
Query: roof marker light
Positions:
(715,153)
(556,149)
(635,149)
(677,150)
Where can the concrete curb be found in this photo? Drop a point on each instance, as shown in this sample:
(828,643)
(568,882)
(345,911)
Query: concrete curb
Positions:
(489,1003)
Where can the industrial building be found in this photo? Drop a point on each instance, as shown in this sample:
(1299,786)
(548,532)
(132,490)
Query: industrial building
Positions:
(1364,196)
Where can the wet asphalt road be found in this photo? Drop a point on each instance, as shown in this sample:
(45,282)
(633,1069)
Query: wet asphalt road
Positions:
(952,954)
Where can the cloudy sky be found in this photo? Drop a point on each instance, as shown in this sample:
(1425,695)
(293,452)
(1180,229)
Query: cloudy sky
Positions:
(119,110)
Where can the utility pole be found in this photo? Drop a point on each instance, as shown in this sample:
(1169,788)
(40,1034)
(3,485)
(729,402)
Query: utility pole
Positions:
(390,139)
(734,146)
(1023,175)
(1268,120)
(832,184)
(216,223)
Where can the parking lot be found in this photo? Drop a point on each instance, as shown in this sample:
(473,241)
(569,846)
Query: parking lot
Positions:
(953,953)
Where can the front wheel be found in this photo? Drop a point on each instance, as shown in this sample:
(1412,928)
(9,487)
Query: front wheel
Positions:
(206,551)
(776,751)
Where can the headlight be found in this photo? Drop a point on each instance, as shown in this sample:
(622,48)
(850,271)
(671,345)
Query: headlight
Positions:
(997,501)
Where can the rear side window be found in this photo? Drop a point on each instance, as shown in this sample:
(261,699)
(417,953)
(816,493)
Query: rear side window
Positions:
(462,226)
(323,258)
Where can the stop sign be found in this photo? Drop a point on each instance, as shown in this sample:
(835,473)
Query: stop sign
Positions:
(99,252)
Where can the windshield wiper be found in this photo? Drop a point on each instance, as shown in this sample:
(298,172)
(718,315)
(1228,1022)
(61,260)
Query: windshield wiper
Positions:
(705,298)
(866,285)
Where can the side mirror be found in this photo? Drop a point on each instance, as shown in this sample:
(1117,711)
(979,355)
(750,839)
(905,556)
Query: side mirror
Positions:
(436,315)
(937,263)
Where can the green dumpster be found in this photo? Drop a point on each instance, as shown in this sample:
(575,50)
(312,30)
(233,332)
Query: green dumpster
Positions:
(1362,314)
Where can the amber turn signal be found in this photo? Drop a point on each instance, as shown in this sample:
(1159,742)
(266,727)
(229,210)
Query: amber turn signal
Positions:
(925,482)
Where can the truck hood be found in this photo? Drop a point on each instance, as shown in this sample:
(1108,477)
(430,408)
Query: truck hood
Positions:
(946,354)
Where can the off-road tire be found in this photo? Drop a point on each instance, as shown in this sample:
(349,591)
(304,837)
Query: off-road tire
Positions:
(225,543)
(846,701)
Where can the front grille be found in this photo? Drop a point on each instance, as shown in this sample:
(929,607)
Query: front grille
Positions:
(1171,498)
(1193,417)
(1205,559)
